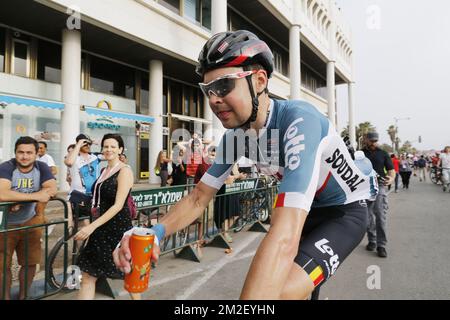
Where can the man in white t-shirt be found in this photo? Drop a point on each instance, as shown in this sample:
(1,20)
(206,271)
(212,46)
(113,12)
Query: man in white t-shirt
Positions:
(84,169)
(46,158)
(444,162)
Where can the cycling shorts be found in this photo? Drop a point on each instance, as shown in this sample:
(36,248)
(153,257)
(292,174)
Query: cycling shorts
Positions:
(329,236)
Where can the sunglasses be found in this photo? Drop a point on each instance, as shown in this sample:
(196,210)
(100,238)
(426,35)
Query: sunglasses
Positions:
(223,85)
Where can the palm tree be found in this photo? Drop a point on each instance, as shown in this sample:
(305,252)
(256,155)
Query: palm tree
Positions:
(392,132)
(361,130)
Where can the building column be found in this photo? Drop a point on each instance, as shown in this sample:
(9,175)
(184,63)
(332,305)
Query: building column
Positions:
(70,94)
(219,23)
(294,54)
(155,110)
(331,66)
(351,115)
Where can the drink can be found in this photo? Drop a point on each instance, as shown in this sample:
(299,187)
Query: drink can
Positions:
(141,247)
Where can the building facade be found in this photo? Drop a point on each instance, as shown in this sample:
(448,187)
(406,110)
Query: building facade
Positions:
(128,66)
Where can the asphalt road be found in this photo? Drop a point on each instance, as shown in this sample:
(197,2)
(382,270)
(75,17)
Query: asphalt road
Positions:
(416,266)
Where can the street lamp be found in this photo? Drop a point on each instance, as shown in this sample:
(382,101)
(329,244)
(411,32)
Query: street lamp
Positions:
(396,130)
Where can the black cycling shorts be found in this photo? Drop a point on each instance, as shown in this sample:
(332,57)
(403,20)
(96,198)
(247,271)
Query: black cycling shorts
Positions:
(329,235)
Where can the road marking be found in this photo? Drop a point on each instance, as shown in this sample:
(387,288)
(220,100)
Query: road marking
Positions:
(212,270)
(228,259)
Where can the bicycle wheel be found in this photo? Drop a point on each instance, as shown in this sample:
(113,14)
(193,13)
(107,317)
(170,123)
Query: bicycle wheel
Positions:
(55,278)
(433,176)
(239,224)
(55,266)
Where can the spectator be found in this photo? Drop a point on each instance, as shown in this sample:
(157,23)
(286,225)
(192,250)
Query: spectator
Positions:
(111,192)
(435,165)
(201,170)
(444,162)
(405,171)
(68,177)
(415,160)
(24,179)
(84,170)
(226,207)
(179,169)
(123,158)
(381,161)
(194,156)
(422,165)
(162,167)
(46,158)
(396,164)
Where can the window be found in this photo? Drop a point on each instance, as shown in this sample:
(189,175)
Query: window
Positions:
(165,109)
(144,94)
(278,61)
(20,58)
(49,62)
(173,5)
(2,50)
(176,97)
(111,78)
(206,14)
(192,9)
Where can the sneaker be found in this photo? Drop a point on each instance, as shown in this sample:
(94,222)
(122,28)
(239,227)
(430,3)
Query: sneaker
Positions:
(381,252)
(371,246)
(444,188)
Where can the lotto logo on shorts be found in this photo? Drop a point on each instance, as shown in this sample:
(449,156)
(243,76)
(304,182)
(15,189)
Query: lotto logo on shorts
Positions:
(279,200)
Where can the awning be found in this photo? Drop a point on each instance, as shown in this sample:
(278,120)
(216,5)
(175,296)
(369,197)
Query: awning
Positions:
(187,118)
(28,102)
(117,114)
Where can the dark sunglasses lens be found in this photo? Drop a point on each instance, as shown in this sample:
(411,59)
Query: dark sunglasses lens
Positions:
(219,88)
(223,87)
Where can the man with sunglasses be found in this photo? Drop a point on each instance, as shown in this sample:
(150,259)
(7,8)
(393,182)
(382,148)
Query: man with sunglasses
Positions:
(84,168)
(320,214)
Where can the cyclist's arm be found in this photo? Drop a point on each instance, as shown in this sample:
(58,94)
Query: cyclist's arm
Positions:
(188,209)
(275,256)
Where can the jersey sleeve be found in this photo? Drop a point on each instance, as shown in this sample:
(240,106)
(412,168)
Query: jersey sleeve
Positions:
(302,148)
(221,168)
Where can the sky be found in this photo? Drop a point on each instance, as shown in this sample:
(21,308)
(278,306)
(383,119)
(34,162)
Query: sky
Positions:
(401,68)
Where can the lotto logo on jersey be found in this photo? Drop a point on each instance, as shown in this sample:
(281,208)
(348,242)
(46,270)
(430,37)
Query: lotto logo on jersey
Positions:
(292,145)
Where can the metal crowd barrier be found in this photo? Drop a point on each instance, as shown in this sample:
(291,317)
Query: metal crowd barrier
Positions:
(243,204)
(40,287)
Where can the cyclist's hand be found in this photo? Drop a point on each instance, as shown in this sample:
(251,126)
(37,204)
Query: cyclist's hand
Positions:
(85,232)
(122,254)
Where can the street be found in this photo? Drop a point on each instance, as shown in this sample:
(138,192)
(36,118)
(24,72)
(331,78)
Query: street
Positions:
(415,268)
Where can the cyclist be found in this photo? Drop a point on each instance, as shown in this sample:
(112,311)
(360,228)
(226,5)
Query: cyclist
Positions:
(321,198)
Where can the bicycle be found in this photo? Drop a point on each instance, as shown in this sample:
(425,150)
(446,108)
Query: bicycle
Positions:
(170,243)
(259,206)
(55,279)
(435,174)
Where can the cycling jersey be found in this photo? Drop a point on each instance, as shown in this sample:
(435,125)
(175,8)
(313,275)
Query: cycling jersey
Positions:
(301,148)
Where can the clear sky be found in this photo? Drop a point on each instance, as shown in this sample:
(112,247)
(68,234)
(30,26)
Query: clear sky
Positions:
(402,68)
